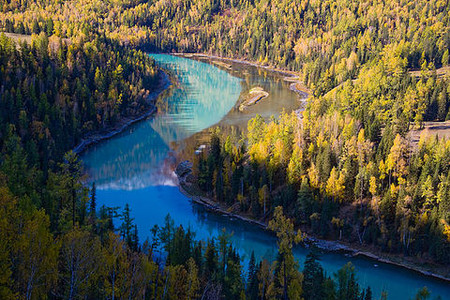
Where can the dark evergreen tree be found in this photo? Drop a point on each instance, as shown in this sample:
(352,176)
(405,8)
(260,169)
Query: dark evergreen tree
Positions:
(347,286)
(313,277)
(93,208)
(252,279)
(127,226)
(368,294)
(211,260)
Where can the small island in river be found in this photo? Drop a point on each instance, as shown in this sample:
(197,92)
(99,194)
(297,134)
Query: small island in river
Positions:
(255,95)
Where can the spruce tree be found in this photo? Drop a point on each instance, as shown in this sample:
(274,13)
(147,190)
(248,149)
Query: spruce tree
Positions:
(313,277)
(93,208)
(252,279)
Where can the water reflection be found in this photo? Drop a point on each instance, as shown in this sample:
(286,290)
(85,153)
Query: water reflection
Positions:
(202,96)
(151,205)
(134,159)
(280,96)
(131,167)
(138,157)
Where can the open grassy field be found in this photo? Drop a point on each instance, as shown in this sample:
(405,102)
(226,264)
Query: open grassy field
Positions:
(441,72)
(441,129)
(19,37)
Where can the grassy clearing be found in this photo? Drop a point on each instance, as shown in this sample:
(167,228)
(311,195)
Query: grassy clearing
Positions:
(439,129)
(441,72)
(19,37)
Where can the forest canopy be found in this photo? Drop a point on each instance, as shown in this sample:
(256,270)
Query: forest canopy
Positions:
(346,170)
(328,42)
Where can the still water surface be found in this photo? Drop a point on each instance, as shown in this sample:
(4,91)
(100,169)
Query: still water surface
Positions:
(132,167)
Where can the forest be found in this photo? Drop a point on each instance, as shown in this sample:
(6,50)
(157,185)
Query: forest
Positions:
(327,42)
(346,170)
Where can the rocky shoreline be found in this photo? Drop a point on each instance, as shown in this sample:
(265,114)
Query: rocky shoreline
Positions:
(94,138)
(240,61)
(295,84)
(185,177)
(186,184)
(293,87)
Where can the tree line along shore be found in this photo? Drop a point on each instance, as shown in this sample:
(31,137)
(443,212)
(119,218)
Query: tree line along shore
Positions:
(347,170)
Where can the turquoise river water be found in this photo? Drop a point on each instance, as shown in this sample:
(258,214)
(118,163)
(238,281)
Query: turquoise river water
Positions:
(132,167)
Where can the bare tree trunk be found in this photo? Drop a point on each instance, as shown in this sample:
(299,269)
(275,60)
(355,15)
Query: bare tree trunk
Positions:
(72,285)
(113,283)
(361,236)
(30,285)
(73,202)
(205,290)
(285,295)
(165,285)
(133,275)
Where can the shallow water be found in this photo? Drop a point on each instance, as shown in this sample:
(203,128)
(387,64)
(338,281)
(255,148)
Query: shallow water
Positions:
(133,167)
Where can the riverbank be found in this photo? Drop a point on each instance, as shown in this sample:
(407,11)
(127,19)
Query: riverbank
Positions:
(187,186)
(95,137)
(240,61)
(291,76)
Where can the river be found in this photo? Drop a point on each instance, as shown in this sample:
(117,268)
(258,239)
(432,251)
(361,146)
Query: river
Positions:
(134,166)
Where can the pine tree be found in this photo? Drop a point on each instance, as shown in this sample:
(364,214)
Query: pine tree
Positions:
(368,294)
(211,260)
(252,279)
(347,286)
(135,239)
(127,226)
(72,170)
(93,208)
(313,277)
(423,294)
(224,240)
(8,216)
(287,274)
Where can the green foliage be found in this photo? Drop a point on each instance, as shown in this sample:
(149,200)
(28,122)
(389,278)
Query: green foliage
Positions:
(347,285)
(326,173)
(329,44)
(347,170)
(53,96)
(313,278)
(288,280)
(54,92)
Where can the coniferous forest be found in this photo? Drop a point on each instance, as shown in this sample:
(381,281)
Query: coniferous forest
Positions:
(348,169)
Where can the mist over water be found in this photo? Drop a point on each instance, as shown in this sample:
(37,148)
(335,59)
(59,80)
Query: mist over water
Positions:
(135,167)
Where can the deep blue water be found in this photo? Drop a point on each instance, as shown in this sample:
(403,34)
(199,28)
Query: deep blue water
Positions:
(132,168)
